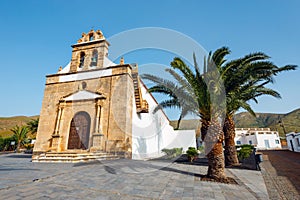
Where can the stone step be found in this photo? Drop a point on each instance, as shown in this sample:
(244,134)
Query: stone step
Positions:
(68,160)
(75,154)
(73,157)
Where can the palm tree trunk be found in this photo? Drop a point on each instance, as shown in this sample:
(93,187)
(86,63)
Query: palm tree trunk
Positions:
(231,158)
(178,122)
(213,136)
(18,146)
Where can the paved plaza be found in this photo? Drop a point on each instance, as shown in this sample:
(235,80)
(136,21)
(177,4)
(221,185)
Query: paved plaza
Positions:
(120,179)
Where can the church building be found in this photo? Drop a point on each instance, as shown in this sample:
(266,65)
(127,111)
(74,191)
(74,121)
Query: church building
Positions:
(96,109)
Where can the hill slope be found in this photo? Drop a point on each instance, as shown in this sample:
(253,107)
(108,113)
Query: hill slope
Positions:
(290,120)
(6,123)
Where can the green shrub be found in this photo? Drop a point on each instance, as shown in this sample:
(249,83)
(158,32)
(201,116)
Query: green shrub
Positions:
(192,153)
(172,153)
(245,151)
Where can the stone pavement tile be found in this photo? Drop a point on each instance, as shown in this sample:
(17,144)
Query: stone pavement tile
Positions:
(66,197)
(219,196)
(132,198)
(6,182)
(6,194)
(208,195)
(102,195)
(174,194)
(33,196)
(207,188)
(253,182)
(153,188)
(29,193)
(136,192)
(13,198)
(237,195)
(155,195)
(187,198)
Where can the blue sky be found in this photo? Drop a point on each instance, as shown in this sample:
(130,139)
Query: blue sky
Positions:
(36,38)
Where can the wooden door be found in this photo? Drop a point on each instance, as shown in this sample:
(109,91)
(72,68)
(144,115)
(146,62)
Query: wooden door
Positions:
(79,131)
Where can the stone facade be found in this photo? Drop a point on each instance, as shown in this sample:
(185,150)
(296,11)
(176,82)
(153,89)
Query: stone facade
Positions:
(87,107)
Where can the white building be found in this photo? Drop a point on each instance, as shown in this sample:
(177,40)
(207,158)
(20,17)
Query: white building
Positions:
(293,141)
(261,138)
(151,132)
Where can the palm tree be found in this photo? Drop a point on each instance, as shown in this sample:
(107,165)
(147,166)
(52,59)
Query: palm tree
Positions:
(235,101)
(163,87)
(20,135)
(245,80)
(32,125)
(200,94)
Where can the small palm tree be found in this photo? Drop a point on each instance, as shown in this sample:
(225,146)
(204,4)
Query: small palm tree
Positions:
(20,135)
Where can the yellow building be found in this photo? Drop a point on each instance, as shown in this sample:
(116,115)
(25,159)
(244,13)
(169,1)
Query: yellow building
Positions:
(77,116)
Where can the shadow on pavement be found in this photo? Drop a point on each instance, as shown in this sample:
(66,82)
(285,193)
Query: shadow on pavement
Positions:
(20,156)
(94,162)
(14,169)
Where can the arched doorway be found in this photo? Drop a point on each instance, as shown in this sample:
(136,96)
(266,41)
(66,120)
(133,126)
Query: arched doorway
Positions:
(79,131)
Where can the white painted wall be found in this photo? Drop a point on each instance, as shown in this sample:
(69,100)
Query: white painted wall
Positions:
(151,132)
(85,75)
(293,141)
(259,137)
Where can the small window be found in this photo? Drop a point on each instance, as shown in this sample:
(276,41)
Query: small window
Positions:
(238,142)
(277,142)
(94,58)
(260,132)
(252,133)
(298,141)
(250,142)
(92,37)
(81,61)
(83,85)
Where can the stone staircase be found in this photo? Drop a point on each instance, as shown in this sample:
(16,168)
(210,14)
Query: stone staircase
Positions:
(71,157)
(141,105)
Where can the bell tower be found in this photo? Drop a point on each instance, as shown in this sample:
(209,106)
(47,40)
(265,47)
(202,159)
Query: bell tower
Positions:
(89,52)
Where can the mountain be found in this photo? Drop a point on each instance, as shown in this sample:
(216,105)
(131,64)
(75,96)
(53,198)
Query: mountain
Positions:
(6,123)
(290,121)
(186,124)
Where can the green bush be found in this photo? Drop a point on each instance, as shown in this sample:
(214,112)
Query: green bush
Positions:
(5,143)
(245,151)
(172,153)
(192,151)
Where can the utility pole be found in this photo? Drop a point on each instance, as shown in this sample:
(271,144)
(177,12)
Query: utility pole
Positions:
(280,122)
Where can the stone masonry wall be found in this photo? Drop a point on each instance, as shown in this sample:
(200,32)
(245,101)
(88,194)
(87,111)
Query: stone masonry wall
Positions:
(116,110)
